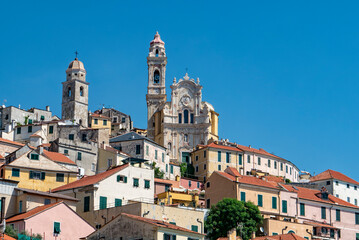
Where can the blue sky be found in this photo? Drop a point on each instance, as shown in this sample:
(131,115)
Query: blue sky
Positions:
(283,75)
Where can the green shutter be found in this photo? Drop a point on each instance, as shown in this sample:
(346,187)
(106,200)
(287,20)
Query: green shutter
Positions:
(86,204)
(243,196)
(118,202)
(239,159)
(302,209)
(135,182)
(260,200)
(57,229)
(356,218)
(51,129)
(125,179)
(147,184)
(284,206)
(171,169)
(43,175)
(15,172)
(337,213)
(103,202)
(274,202)
(324,214)
(194,228)
(219,156)
(31,175)
(174,223)
(118,178)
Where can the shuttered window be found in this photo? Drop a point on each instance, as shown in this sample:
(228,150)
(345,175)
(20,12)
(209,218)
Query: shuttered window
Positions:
(243,196)
(324,213)
(15,172)
(86,204)
(103,202)
(337,215)
(274,202)
(57,229)
(60,177)
(260,200)
(194,228)
(147,184)
(118,202)
(284,206)
(219,156)
(302,209)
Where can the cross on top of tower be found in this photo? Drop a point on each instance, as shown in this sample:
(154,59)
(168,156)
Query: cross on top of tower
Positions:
(76,53)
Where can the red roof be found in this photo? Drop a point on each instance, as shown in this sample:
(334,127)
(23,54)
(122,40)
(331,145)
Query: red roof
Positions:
(31,213)
(289,236)
(274,179)
(89,180)
(258,151)
(99,116)
(232,171)
(1,157)
(159,223)
(168,182)
(58,157)
(11,142)
(6,237)
(331,174)
(214,145)
(317,224)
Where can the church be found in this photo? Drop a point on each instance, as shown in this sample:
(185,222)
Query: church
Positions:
(185,121)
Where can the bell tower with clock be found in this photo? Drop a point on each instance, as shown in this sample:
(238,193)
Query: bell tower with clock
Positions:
(156,90)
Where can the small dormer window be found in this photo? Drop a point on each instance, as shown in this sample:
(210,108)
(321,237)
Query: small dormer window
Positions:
(34,156)
(325,196)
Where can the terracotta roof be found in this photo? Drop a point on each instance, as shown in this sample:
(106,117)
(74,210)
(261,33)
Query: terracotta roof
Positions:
(232,171)
(89,180)
(274,179)
(1,157)
(11,142)
(6,237)
(317,224)
(48,194)
(289,236)
(250,180)
(169,182)
(99,116)
(58,157)
(315,195)
(219,146)
(258,151)
(157,39)
(331,174)
(31,213)
(45,145)
(35,135)
(159,223)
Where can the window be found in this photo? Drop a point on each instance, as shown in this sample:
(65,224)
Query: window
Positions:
(228,157)
(208,203)
(348,186)
(57,229)
(135,182)
(60,177)
(163,157)
(197,158)
(166,167)
(147,184)
(259,161)
(15,172)
(192,118)
(275,164)
(269,163)
(204,166)
(71,137)
(30,121)
(121,178)
(51,129)
(239,159)
(95,121)
(37,175)
(18,130)
(286,169)
(274,202)
(356,218)
(86,204)
(198,185)
(79,156)
(20,206)
(34,156)
(180,118)
(348,199)
(103,202)
(197,168)
(324,213)
(171,169)
(328,182)
(355,188)
(156,154)
(93,167)
(290,170)
(260,200)
(284,206)
(219,168)
(302,209)
(194,228)
(336,183)
(123,120)
(105,122)
(114,120)
(248,159)
(204,153)
(337,215)
(356,202)
(66,151)
(47,201)
(29,129)
(81,91)
(156,76)
(185,116)
(147,150)
(138,149)
(69,92)
(219,156)
(243,196)
(208,184)
(118,202)
(109,163)
(167,236)
(281,166)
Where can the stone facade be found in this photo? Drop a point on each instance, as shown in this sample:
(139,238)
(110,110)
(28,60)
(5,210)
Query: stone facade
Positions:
(186,120)
(75,94)
(121,123)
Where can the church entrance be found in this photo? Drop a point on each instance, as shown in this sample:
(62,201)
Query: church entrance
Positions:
(185,157)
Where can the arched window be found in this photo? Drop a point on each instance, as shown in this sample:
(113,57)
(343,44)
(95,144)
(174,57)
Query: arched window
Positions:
(69,92)
(81,91)
(185,113)
(156,76)
(170,146)
(156,52)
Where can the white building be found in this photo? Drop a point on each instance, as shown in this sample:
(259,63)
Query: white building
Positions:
(338,184)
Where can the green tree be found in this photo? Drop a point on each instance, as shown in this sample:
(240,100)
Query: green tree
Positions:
(158,172)
(230,213)
(187,170)
(10,231)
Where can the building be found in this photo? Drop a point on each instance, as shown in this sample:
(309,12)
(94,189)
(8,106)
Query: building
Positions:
(34,170)
(97,121)
(115,187)
(8,146)
(127,226)
(8,194)
(53,220)
(75,94)
(121,123)
(141,147)
(183,122)
(288,236)
(218,155)
(109,157)
(338,184)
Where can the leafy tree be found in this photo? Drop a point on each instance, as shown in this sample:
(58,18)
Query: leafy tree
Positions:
(187,170)
(10,231)
(230,213)
(158,172)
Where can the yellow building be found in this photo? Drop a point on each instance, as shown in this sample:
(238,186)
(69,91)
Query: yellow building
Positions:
(34,170)
(215,157)
(97,121)
(181,198)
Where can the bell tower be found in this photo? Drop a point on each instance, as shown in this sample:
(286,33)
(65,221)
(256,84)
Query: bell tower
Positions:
(156,89)
(75,94)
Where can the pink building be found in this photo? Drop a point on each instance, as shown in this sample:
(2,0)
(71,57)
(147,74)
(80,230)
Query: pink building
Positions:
(53,220)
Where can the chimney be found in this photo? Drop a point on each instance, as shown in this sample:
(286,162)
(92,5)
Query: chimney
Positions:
(48,108)
(250,146)
(232,234)
(41,150)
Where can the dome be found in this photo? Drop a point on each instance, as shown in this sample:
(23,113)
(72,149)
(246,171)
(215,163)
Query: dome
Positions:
(76,65)
(157,39)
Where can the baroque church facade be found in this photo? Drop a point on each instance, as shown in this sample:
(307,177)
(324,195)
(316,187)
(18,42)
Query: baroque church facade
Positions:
(185,121)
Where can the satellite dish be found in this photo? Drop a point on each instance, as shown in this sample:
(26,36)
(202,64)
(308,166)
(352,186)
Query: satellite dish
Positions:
(261,229)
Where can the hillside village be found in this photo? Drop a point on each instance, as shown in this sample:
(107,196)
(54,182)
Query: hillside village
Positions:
(94,175)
